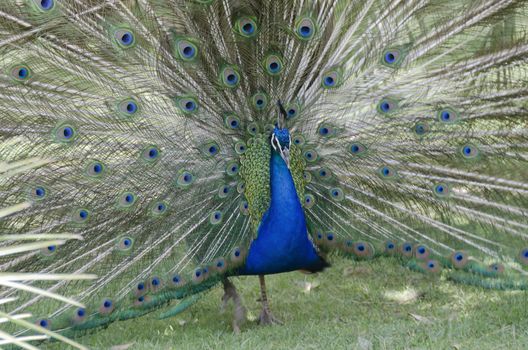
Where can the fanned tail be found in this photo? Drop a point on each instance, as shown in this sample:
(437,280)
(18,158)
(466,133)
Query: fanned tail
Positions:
(408,121)
(422,147)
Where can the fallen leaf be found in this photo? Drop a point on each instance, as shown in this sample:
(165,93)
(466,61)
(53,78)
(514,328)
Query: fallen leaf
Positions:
(308,286)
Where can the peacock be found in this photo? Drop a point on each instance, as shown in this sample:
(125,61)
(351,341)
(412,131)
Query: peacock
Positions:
(187,142)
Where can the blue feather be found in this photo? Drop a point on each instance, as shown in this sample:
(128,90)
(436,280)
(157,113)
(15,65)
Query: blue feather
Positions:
(282,227)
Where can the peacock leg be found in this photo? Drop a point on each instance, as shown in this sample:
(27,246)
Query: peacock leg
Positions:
(266,317)
(230,292)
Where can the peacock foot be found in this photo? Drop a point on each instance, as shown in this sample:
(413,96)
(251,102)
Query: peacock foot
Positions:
(230,293)
(266,318)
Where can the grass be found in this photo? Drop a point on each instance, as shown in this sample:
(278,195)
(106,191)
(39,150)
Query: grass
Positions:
(353,305)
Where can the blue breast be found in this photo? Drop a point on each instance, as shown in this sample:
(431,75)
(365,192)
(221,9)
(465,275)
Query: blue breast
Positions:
(282,243)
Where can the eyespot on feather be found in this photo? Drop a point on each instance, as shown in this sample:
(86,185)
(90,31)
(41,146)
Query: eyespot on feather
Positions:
(305,28)
(448,115)
(232,121)
(421,252)
(470,152)
(184,179)
(220,265)
(124,38)
(187,104)
(292,110)
(459,259)
(523,256)
(309,201)
(126,200)
(186,49)
(363,249)
(216,217)
(80,216)
(431,266)
(106,307)
(237,256)
(124,243)
(390,247)
(246,27)
(387,106)
(95,169)
(406,249)
(332,78)
(151,153)
(259,101)
(230,76)
(273,65)
(64,133)
(158,208)
(336,194)
(20,73)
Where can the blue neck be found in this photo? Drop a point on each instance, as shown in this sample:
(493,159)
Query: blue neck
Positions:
(282,243)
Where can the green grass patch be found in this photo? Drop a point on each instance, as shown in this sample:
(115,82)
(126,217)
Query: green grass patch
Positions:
(353,305)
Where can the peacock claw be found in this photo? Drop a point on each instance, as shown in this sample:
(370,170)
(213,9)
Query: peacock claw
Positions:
(230,293)
(266,318)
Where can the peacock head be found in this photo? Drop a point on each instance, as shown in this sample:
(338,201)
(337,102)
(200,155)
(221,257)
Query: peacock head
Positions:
(281,141)
(280,138)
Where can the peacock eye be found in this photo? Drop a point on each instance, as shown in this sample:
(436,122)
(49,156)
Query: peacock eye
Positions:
(448,115)
(305,28)
(126,200)
(259,101)
(230,76)
(336,194)
(44,323)
(309,201)
(177,281)
(124,243)
(421,128)
(273,64)
(20,73)
(246,26)
(332,79)
(128,107)
(45,5)
(65,133)
(39,192)
(95,169)
(392,58)
(469,151)
(387,172)
(216,217)
(232,168)
(186,50)
(357,149)
(406,249)
(187,105)
(232,122)
(390,247)
(80,216)
(298,140)
(386,106)
(125,38)
(158,208)
(310,155)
